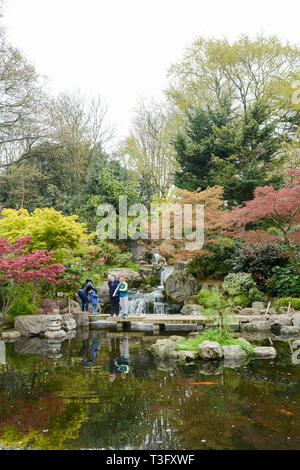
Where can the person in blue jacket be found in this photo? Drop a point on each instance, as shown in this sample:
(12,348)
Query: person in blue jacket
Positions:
(114,300)
(83,294)
(122,291)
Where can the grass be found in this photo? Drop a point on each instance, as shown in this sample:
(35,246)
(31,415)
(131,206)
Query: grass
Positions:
(223,337)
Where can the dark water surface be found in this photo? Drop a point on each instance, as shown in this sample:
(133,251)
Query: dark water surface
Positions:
(104,390)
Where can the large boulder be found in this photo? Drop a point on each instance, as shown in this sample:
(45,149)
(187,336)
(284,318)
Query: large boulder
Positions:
(210,350)
(75,307)
(68,322)
(289,331)
(191,309)
(10,335)
(176,338)
(296,320)
(258,306)
(234,352)
(132,277)
(103,293)
(179,285)
(163,348)
(33,325)
(82,319)
(264,352)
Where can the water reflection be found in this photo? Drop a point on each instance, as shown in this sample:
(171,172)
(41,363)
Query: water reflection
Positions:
(81,400)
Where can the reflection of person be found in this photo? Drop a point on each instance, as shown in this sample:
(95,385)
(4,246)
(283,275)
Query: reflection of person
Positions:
(114,352)
(114,301)
(91,355)
(83,294)
(122,290)
(122,363)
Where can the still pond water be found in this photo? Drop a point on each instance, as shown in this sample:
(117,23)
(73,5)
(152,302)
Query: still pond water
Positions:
(104,390)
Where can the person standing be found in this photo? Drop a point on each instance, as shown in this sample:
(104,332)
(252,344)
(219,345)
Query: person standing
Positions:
(83,294)
(114,300)
(122,290)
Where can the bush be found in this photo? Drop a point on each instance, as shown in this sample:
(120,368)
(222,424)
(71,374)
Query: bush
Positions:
(241,300)
(236,284)
(285,282)
(258,260)
(208,298)
(295,303)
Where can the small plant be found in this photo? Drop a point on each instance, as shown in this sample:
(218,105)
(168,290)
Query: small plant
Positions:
(242,300)
(285,281)
(209,299)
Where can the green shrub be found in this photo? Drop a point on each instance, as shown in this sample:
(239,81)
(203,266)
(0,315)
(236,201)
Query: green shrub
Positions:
(236,284)
(285,282)
(241,300)
(208,298)
(295,303)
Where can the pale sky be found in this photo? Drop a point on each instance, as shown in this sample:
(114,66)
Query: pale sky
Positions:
(122,49)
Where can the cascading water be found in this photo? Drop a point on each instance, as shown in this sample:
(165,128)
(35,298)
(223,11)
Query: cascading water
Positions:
(154,302)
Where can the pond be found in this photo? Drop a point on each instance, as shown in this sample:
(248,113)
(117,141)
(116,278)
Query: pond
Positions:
(104,390)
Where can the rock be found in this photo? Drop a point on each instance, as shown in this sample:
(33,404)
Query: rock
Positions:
(179,285)
(32,325)
(181,265)
(190,309)
(62,303)
(192,299)
(68,323)
(103,292)
(256,326)
(59,334)
(210,350)
(233,363)
(132,277)
(289,331)
(188,355)
(249,311)
(264,352)
(82,319)
(245,341)
(277,321)
(234,352)
(163,348)
(10,335)
(75,307)
(296,320)
(176,339)
(258,306)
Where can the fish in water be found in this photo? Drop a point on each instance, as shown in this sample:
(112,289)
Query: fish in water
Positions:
(285,412)
(204,383)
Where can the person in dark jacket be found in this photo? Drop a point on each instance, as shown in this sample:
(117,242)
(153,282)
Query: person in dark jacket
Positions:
(114,300)
(83,294)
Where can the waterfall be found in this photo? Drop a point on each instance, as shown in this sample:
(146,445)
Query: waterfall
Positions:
(154,302)
(157,258)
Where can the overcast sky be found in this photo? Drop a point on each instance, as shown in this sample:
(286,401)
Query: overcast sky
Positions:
(122,49)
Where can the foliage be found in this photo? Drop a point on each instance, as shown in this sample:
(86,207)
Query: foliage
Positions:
(236,284)
(255,295)
(242,300)
(280,207)
(222,336)
(284,282)
(18,268)
(209,299)
(23,305)
(258,260)
(295,303)
(47,228)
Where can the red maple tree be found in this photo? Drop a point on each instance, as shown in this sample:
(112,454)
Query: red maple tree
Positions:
(281,207)
(18,267)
